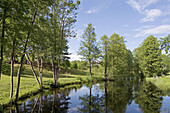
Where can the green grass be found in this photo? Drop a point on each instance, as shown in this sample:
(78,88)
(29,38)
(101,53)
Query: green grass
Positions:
(29,85)
(161,82)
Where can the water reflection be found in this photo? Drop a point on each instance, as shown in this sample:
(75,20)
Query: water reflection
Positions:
(91,103)
(125,94)
(149,98)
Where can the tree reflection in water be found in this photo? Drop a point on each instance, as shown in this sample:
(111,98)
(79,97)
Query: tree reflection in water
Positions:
(106,97)
(91,103)
(149,98)
(120,93)
(55,102)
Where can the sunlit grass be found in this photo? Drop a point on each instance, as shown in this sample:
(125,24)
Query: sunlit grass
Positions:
(29,85)
(161,82)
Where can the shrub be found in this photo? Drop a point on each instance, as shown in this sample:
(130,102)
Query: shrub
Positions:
(79,78)
(6,69)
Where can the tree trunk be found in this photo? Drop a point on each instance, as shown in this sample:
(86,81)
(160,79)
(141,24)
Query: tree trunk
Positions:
(33,109)
(106,64)
(106,96)
(54,102)
(40,69)
(12,68)
(22,59)
(90,100)
(90,67)
(40,104)
(2,40)
(41,72)
(57,71)
(32,68)
(19,71)
(16,108)
(54,72)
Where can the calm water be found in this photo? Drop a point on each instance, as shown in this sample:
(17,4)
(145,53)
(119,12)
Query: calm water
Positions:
(124,95)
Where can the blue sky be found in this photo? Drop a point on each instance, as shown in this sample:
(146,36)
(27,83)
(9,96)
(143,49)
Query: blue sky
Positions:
(132,19)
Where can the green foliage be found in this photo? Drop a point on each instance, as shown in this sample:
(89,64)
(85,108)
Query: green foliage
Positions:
(74,71)
(119,57)
(165,43)
(166,63)
(148,98)
(74,65)
(105,41)
(79,78)
(66,64)
(148,56)
(83,65)
(89,48)
(6,68)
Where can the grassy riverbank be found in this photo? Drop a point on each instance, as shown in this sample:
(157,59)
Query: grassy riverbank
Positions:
(161,82)
(29,86)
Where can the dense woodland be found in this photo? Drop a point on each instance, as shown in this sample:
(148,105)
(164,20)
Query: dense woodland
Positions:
(36,32)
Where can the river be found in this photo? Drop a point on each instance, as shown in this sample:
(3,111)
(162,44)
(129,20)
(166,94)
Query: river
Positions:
(124,95)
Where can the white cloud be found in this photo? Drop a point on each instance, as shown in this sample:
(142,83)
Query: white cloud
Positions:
(74,57)
(135,5)
(162,29)
(143,27)
(91,11)
(151,15)
(102,4)
(141,5)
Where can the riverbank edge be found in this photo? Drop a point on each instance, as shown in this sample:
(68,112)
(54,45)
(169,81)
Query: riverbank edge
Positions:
(160,82)
(33,93)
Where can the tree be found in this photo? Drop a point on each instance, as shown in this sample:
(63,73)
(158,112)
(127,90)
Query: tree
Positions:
(5,9)
(89,48)
(38,30)
(165,43)
(75,66)
(119,57)
(166,63)
(30,20)
(66,63)
(148,56)
(105,46)
(61,19)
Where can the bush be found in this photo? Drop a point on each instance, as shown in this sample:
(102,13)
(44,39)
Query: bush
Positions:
(6,69)
(88,79)
(79,78)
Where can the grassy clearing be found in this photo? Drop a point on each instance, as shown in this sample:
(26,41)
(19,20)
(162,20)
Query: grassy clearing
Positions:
(29,85)
(161,82)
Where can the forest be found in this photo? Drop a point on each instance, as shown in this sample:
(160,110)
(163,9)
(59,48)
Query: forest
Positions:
(35,33)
